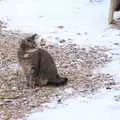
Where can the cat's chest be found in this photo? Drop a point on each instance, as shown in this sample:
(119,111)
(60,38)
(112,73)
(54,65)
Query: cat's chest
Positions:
(30,55)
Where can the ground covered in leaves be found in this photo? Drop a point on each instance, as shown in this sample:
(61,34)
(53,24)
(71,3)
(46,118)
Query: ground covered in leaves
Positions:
(75,62)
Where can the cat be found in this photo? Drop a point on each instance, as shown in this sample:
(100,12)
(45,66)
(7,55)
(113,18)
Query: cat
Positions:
(37,64)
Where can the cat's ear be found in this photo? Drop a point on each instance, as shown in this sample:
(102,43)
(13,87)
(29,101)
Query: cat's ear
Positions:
(33,37)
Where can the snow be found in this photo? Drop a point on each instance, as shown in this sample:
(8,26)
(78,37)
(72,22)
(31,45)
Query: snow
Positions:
(101,106)
(77,16)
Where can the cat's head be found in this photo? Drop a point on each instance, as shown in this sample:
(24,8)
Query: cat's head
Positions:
(29,42)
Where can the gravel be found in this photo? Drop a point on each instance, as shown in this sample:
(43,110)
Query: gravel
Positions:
(75,62)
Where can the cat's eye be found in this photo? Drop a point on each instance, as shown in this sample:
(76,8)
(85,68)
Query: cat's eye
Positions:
(28,40)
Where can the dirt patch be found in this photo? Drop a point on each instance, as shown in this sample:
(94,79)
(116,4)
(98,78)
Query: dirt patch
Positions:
(72,61)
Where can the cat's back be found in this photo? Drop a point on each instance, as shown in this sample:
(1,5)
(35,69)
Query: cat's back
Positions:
(45,56)
(47,61)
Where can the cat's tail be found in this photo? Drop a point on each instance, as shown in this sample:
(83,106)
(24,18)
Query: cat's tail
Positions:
(60,81)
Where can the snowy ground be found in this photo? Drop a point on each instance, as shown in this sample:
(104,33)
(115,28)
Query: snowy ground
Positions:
(86,24)
(101,106)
